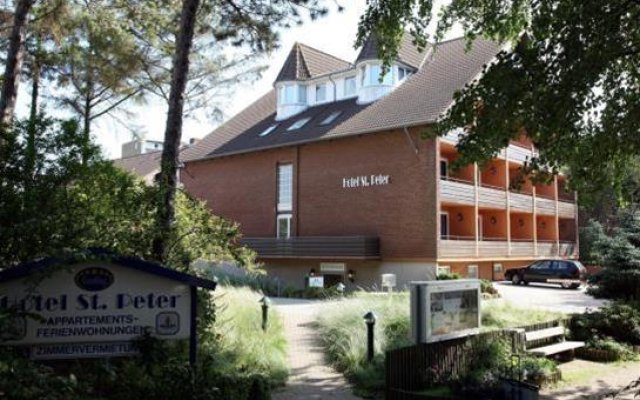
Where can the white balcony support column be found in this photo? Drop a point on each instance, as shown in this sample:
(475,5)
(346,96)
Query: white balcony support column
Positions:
(557,214)
(535,222)
(476,190)
(508,206)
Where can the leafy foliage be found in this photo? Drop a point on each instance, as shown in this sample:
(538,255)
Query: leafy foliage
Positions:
(619,252)
(568,78)
(447,276)
(67,206)
(619,321)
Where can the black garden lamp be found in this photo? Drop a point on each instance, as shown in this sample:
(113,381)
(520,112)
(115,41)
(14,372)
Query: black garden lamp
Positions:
(266,302)
(370,320)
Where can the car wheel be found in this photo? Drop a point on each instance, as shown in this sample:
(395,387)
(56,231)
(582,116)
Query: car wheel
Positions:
(516,279)
(574,286)
(566,285)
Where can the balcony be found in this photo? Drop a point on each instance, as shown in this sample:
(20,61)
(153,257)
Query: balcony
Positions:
(520,202)
(545,206)
(351,247)
(566,210)
(452,248)
(457,191)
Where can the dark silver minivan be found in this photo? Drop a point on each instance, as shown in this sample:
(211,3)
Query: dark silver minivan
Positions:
(570,274)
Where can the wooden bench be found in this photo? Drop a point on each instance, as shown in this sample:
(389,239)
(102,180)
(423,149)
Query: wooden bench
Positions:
(556,348)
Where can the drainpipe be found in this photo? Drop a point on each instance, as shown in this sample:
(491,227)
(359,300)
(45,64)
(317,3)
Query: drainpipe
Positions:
(335,89)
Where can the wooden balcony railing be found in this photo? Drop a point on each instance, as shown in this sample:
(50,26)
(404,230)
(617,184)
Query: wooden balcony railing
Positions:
(353,247)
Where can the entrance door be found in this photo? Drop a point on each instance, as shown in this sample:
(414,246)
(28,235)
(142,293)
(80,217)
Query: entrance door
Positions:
(331,280)
(333,273)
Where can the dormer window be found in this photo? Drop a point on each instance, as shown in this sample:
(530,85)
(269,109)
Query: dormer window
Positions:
(321,92)
(349,86)
(374,72)
(292,94)
(403,73)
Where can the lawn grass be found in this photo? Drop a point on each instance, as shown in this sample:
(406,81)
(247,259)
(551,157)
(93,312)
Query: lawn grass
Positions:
(243,344)
(343,331)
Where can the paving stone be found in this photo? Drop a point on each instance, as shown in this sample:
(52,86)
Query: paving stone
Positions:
(311,378)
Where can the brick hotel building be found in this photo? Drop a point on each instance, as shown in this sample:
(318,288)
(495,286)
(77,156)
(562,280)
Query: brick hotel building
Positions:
(327,174)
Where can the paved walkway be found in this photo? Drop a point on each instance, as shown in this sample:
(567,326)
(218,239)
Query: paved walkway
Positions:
(310,376)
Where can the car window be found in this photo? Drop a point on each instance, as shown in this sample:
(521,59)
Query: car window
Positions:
(569,267)
(541,265)
(558,266)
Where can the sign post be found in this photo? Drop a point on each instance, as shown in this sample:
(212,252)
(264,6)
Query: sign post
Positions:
(98,306)
(442,310)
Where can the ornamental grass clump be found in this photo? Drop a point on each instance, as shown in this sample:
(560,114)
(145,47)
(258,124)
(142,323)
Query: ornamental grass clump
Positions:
(344,335)
(241,344)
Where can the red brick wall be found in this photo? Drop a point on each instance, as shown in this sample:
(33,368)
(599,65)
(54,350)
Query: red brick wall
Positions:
(402,213)
(240,188)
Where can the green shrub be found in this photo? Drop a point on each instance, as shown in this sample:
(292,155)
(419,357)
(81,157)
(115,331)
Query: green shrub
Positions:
(343,334)
(445,276)
(486,286)
(488,359)
(620,321)
(617,350)
(538,369)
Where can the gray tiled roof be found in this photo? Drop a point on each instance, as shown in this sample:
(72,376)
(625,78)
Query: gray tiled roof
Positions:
(304,62)
(407,52)
(420,100)
(140,164)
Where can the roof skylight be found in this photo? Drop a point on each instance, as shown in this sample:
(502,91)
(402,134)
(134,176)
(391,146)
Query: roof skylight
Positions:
(330,118)
(298,124)
(268,130)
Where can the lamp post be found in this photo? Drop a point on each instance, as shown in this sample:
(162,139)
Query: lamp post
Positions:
(370,320)
(266,302)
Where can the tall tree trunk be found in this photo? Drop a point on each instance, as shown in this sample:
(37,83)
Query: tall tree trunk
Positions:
(173,130)
(33,119)
(86,128)
(13,64)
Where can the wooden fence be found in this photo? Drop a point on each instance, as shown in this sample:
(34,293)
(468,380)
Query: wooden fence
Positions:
(425,365)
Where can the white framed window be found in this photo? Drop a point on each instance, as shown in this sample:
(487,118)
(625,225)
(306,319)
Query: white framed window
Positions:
(293,94)
(321,92)
(349,86)
(284,226)
(298,124)
(472,271)
(497,268)
(285,187)
(268,130)
(444,224)
(374,76)
(443,269)
(403,73)
(330,118)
